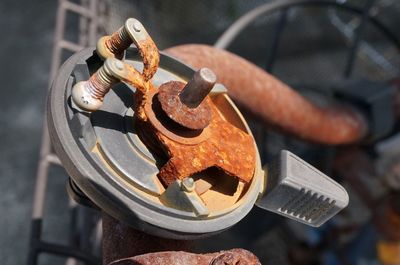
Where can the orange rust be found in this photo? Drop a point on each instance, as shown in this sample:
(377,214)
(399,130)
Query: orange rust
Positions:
(151,57)
(227,257)
(228,148)
(116,44)
(193,118)
(224,146)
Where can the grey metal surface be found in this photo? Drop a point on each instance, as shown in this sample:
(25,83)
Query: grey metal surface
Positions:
(299,191)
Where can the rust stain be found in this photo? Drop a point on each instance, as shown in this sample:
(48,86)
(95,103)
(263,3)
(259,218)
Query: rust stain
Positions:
(222,145)
(227,148)
(228,257)
(192,118)
(150,55)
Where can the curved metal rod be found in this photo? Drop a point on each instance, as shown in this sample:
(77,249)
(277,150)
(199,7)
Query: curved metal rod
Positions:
(234,30)
(273,101)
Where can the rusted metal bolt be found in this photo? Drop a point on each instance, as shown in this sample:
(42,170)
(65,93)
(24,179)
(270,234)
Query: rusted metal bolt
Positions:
(89,95)
(119,41)
(198,87)
(188,184)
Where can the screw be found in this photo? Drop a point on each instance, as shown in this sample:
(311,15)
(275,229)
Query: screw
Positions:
(89,94)
(119,41)
(137,26)
(198,87)
(188,184)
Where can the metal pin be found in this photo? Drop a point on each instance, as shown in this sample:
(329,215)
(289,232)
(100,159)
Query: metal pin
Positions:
(188,184)
(198,87)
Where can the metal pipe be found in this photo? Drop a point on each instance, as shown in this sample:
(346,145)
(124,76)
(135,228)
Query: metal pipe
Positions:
(121,241)
(273,101)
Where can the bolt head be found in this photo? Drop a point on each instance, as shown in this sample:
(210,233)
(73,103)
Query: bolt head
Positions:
(83,99)
(188,184)
(137,26)
(119,65)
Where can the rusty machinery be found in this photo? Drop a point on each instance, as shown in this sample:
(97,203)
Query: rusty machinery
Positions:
(163,148)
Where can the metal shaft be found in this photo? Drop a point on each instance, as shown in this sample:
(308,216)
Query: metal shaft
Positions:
(198,87)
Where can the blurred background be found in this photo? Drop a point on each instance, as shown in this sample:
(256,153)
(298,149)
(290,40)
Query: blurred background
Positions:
(311,48)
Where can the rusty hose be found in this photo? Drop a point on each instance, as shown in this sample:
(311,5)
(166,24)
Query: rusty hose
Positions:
(274,102)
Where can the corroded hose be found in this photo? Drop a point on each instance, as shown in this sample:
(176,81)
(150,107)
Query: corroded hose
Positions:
(273,101)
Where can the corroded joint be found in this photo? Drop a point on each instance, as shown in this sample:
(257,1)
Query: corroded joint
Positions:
(89,95)
(132,32)
(118,42)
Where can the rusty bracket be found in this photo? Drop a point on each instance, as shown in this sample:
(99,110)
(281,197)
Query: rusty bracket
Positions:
(196,130)
(134,32)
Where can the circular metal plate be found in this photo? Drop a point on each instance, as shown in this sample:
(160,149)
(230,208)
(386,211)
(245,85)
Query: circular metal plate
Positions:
(108,162)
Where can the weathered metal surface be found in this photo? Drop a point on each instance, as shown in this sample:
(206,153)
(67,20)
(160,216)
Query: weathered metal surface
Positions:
(276,103)
(222,145)
(228,257)
(193,118)
(132,32)
(118,42)
(227,147)
(122,241)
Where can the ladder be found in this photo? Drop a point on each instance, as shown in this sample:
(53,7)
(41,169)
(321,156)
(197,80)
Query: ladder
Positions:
(90,14)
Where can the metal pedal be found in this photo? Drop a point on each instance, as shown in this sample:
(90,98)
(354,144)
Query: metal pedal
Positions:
(297,190)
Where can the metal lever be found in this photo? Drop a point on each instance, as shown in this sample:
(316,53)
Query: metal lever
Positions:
(299,191)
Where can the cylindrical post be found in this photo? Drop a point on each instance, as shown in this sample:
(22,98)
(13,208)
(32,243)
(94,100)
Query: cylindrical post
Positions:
(198,87)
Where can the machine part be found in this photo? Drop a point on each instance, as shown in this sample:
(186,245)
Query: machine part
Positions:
(227,147)
(104,156)
(375,100)
(301,192)
(198,87)
(113,154)
(185,104)
(331,125)
(196,118)
(132,32)
(182,195)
